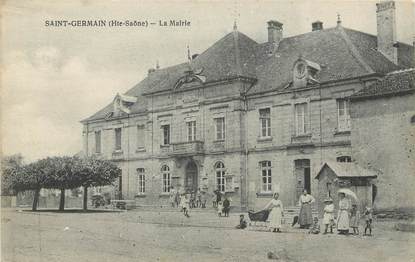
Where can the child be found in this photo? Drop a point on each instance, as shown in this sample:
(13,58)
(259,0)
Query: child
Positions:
(315,229)
(242,222)
(328,217)
(354,219)
(368,219)
(220,208)
(226,207)
(185,205)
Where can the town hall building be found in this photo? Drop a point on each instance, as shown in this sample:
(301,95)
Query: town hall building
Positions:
(248,118)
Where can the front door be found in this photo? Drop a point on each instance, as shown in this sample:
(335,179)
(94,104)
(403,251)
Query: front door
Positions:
(302,176)
(191,177)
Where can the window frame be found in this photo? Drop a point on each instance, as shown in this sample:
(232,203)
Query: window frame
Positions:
(305,119)
(264,122)
(344,159)
(165,179)
(343,121)
(141,137)
(191,130)
(98,142)
(220,176)
(118,139)
(166,134)
(141,181)
(266,172)
(220,135)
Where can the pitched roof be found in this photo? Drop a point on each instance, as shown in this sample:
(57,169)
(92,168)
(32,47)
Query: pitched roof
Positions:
(341,53)
(347,170)
(393,83)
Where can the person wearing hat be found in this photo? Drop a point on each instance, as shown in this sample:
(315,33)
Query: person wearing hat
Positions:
(328,217)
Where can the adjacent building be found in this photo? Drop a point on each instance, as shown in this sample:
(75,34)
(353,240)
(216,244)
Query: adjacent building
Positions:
(246,118)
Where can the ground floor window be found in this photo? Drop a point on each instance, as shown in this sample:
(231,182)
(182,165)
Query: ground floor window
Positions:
(141,181)
(220,176)
(344,159)
(166,179)
(266,176)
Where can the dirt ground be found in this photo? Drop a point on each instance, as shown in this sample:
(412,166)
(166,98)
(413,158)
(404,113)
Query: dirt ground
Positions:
(169,236)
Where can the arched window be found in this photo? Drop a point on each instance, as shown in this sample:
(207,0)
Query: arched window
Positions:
(165,172)
(413,120)
(220,176)
(266,176)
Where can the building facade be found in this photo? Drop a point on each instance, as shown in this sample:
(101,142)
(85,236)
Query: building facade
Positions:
(245,118)
(383,137)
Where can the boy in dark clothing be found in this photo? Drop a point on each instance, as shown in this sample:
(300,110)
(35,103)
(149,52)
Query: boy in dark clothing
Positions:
(242,222)
(226,207)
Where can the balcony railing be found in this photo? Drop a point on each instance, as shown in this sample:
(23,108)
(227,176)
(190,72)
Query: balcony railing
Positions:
(187,148)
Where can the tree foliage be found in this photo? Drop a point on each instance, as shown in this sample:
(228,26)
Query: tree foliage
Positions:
(58,173)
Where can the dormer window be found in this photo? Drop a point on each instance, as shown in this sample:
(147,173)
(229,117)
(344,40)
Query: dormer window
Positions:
(122,104)
(305,72)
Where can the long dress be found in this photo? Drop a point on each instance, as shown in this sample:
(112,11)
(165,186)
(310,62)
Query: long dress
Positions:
(275,216)
(343,215)
(328,217)
(305,217)
(354,218)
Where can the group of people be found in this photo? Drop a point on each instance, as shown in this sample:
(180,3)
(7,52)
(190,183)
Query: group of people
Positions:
(348,215)
(195,199)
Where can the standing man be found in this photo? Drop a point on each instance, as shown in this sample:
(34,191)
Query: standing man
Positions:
(305,217)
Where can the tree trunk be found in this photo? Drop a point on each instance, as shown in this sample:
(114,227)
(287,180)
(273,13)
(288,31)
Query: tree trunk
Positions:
(62,200)
(35,200)
(85,197)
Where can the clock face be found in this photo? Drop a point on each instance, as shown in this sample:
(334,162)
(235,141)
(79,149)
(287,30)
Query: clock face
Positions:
(300,70)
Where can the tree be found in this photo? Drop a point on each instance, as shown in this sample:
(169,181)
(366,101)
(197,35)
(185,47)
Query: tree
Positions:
(63,173)
(96,172)
(10,166)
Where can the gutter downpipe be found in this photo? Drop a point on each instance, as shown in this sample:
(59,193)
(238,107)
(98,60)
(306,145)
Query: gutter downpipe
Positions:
(246,204)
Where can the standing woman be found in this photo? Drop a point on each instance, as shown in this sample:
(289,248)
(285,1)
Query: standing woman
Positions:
(276,213)
(343,221)
(305,217)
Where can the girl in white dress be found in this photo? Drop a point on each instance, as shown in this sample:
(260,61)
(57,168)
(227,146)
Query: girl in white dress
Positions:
(276,213)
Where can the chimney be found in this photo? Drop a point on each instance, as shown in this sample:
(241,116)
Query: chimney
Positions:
(274,31)
(317,26)
(386,26)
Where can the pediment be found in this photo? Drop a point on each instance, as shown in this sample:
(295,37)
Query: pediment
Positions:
(191,78)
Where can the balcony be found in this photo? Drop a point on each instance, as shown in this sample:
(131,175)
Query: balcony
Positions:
(187,148)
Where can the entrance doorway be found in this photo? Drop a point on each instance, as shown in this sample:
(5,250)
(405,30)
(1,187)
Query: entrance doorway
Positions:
(191,177)
(302,176)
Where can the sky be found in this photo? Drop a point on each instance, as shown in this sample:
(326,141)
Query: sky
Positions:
(53,77)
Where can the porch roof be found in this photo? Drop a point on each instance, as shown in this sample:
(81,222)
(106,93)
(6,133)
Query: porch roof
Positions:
(347,170)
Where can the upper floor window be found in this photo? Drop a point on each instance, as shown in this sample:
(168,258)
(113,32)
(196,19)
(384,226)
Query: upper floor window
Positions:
(220,128)
(265,122)
(141,181)
(141,137)
(118,139)
(165,129)
(413,119)
(266,176)
(191,131)
(343,115)
(166,179)
(220,176)
(98,142)
(301,119)
(344,159)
